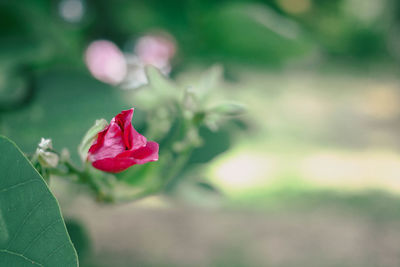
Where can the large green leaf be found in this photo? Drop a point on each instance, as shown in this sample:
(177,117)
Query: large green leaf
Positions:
(32,231)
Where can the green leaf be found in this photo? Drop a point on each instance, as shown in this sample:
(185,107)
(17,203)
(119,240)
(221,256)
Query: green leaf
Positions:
(229,109)
(210,80)
(253,33)
(32,230)
(159,82)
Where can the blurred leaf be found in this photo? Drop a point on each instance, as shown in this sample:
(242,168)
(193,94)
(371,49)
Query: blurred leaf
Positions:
(158,81)
(254,33)
(207,187)
(16,41)
(157,92)
(214,143)
(79,237)
(209,80)
(201,90)
(65,104)
(32,231)
(196,191)
(229,109)
(16,88)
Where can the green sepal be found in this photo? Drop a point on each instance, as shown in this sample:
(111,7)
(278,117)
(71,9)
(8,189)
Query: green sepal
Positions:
(89,137)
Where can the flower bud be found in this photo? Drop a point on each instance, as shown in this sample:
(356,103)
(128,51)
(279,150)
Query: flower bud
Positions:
(44,155)
(46,158)
(119,146)
(89,137)
(45,144)
(106,62)
(156,50)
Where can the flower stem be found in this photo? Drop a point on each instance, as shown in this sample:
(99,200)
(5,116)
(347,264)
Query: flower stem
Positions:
(178,164)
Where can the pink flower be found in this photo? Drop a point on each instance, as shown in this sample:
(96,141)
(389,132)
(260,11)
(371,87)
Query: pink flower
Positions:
(106,62)
(155,50)
(120,146)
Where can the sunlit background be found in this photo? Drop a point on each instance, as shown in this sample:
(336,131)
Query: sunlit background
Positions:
(309,175)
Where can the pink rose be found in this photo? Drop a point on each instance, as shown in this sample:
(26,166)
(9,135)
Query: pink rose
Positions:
(120,146)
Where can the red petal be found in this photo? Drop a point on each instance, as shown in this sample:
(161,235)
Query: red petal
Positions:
(113,164)
(128,158)
(132,139)
(124,118)
(112,144)
(144,154)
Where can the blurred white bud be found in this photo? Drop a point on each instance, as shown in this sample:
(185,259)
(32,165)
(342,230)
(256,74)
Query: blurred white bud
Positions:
(46,158)
(45,144)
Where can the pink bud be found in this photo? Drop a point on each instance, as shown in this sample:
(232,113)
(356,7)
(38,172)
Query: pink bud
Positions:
(106,62)
(120,146)
(155,50)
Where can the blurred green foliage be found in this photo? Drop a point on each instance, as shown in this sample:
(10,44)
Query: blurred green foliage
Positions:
(46,91)
(255,32)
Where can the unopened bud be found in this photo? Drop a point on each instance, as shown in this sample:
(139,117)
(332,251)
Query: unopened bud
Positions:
(45,144)
(46,158)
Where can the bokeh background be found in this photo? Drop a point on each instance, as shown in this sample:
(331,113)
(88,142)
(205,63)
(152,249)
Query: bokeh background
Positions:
(308,176)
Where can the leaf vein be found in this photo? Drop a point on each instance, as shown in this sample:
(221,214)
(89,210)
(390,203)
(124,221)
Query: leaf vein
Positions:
(18,185)
(20,255)
(39,235)
(55,251)
(25,220)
